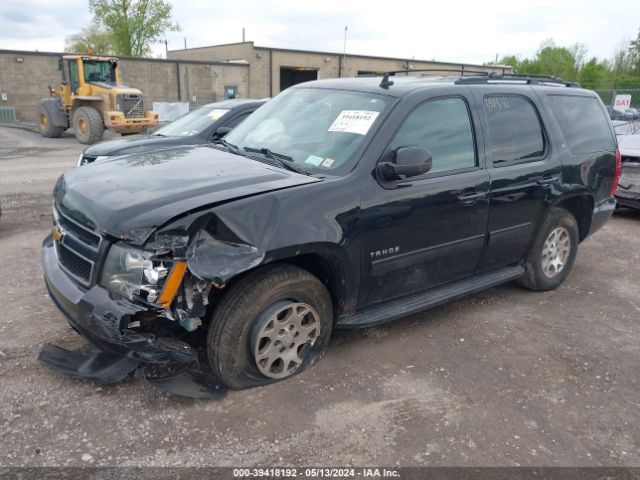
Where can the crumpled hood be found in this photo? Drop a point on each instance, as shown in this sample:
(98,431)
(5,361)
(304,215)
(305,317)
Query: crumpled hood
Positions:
(137,144)
(128,197)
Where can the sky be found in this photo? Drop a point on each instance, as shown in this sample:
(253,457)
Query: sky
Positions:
(469,31)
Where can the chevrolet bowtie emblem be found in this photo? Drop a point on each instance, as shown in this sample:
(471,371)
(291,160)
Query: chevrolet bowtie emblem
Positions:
(57,234)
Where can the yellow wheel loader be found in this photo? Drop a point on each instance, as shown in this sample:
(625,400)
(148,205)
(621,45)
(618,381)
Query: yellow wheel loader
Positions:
(90,100)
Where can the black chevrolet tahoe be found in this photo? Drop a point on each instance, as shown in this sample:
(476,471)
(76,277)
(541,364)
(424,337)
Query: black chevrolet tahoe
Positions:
(338,204)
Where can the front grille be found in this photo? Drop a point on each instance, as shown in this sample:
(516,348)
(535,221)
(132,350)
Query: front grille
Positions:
(78,247)
(81,233)
(76,265)
(131,104)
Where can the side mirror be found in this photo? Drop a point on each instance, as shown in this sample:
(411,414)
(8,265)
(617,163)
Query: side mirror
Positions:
(221,132)
(406,162)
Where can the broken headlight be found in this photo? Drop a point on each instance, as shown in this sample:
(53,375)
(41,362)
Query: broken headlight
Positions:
(132,273)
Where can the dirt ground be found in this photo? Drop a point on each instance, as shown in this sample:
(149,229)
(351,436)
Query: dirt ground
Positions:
(506,377)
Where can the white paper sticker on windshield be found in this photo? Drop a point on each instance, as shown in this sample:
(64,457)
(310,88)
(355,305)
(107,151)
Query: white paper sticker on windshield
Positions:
(217,113)
(354,121)
(314,160)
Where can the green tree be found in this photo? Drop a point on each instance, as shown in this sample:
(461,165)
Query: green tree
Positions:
(512,60)
(593,74)
(134,24)
(92,37)
(627,80)
(633,54)
(558,61)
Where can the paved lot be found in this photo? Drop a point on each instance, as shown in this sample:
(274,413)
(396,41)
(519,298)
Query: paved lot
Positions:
(506,377)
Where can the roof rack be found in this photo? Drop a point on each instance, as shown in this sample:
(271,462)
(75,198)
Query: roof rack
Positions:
(475,77)
(386,83)
(516,78)
(462,71)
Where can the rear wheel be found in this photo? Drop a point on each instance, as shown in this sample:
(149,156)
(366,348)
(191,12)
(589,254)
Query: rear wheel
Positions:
(553,252)
(87,125)
(46,125)
(270,326)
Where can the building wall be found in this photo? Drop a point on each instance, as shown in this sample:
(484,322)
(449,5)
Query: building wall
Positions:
(265,64)
(244,52)
(26,83)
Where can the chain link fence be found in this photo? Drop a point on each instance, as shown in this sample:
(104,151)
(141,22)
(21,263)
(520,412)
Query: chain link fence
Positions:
(608,96)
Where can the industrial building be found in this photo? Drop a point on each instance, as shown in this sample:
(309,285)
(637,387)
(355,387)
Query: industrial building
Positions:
(205,74)
(271,70)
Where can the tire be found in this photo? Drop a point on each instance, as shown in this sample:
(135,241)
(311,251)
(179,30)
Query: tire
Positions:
(45,124)
(542,270)
(236,331)
(87,125)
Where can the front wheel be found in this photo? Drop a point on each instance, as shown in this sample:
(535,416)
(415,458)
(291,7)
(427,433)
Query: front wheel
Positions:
(87,125)
(552,253)
(269,326)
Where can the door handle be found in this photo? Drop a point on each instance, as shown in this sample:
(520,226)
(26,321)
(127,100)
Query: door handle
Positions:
(547,179)
(469,197)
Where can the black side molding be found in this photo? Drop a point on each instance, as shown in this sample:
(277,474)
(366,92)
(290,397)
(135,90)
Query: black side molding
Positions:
(408,305)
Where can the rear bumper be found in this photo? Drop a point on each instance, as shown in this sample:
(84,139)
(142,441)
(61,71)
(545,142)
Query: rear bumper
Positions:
(631,201)
(602,212)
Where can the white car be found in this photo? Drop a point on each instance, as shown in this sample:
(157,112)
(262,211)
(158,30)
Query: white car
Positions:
(628,134)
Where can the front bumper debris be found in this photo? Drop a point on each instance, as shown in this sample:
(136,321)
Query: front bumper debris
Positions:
(115,350)
(87,363)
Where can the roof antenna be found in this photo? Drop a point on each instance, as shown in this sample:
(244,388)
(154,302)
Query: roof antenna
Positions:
(385,83)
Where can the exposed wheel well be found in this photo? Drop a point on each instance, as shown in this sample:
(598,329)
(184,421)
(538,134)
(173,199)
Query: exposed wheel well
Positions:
(581,207)
(320,267)
(316,264)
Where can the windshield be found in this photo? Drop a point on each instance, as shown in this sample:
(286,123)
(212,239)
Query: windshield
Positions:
(95,71)
(317,128)
(192,123)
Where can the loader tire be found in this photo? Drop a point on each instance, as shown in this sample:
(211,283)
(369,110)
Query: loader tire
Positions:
(87,125)
(45,124)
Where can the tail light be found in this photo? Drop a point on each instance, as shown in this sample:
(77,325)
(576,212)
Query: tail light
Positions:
(616,179)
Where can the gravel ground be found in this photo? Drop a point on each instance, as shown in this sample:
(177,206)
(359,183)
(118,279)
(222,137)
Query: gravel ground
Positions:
(506,377)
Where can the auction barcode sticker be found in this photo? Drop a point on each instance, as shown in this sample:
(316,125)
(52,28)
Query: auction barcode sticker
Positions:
(354,121)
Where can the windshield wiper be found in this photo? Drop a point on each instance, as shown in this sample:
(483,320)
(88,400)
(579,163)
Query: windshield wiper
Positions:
(268,153)
(230,146)
(284,160)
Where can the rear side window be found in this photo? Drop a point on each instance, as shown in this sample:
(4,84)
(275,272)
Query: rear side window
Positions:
(515,132)
(583,123)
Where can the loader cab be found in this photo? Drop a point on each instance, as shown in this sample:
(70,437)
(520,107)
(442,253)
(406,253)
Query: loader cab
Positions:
(81,71)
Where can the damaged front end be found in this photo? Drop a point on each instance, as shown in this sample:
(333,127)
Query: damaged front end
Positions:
(628,192)
(143,308)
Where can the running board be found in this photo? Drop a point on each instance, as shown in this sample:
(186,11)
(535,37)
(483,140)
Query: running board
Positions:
(408,305)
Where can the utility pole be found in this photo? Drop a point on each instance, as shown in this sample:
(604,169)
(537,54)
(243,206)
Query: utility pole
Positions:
(185,43)
(166,48)
(344,51)
(242,34)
